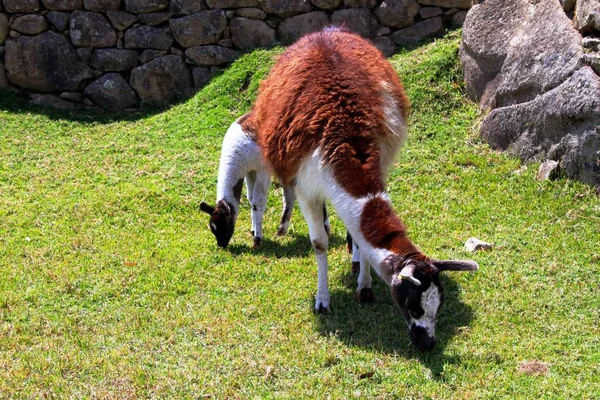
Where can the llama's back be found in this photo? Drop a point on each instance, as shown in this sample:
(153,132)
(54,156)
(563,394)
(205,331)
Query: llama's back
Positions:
(335,91)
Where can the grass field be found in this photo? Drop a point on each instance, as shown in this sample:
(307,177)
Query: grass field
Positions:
(112,286)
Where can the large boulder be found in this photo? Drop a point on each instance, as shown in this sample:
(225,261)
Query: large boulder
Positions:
(419,31)
(286,8)
(357,20)
(90,29)
(163,80)
(466,4)
(114,59)
(185,7)
(21,6)
(205,27)
(45,62)
(3,28)
(59,19)
(102,5)
(587,15)
(145,6)
(63,5)
(111,91)
(231,3)
(524,61)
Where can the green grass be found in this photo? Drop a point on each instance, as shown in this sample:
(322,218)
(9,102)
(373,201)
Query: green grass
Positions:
(111,284)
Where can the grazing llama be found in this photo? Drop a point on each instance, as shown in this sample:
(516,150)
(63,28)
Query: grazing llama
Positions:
(330,118)
(241,160)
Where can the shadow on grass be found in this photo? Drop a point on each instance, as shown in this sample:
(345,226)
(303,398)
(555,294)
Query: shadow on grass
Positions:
(379,325)
(298,246)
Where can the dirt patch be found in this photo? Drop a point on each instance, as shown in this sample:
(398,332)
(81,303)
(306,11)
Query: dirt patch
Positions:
(534,367)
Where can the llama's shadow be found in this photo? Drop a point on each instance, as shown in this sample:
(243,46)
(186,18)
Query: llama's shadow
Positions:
(295,245)
(380,327)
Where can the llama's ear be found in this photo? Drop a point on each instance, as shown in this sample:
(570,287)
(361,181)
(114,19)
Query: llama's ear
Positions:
(455,265)
(224,207)
(206,208)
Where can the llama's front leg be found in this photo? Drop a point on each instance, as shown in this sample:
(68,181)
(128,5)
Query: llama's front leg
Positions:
(259,204)
(326,223)
(250,182)
(289,198)
(364,293)
(313,213)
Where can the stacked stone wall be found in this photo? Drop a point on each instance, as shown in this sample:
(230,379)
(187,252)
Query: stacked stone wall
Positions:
(117,54)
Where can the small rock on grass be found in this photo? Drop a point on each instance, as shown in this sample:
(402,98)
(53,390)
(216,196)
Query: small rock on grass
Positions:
(548,170)
(473,244)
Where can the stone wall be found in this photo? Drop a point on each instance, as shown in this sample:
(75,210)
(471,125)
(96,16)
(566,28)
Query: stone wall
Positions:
(118,53)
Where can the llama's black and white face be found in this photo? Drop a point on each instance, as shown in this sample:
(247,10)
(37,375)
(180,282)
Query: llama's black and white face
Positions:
(418,293)
(221,221)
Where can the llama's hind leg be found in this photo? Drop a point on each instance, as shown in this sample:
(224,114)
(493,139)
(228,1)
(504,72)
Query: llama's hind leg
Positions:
(250,182)
(313,213)
(289,198)
(259,204)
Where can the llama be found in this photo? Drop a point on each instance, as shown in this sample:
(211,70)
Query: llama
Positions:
(241,160)
(330,118)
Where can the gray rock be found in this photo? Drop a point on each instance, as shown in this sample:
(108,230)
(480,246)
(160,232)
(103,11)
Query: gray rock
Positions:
(121,20)
(385,45)
(162,80)
(248,34)
(458,18)
(360,3)
(593,60)
(72,96)
(473,244)
(226,43)
(14,34)
(561,124)
(327,5)
(548,170)
(294,28)
(85,54)
(186,7)
(111,91)
(63,5)
(286,8)
(430,12)
(589,43)
(252,13)
(21,6)
(45,62)
(151,54)
(201,76)
(3,28)
(397,13)
(114,60)
(145,6)
(102,5)
(154,19)
(51,101)
(357,20)
(30,24)
(59,19)
(229,14)
(231,3)
(587,15)
(148,37)
(413,34)
(210,55)
(464,4)
(90,29)
(383,31)
(205,27)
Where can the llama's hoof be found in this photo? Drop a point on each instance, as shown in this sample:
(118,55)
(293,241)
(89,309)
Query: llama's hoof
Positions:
(355,267)
(365,295)
(322,309)
(282,230)
(257,242)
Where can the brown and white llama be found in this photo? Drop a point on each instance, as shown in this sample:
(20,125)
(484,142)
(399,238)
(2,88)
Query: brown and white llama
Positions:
(241,160)
(330,118)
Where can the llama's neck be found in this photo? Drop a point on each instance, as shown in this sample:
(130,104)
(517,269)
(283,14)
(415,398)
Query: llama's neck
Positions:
(370,219)
(239,155)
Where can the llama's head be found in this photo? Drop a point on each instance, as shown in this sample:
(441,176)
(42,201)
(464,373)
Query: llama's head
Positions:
(222,221)
(417,291)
